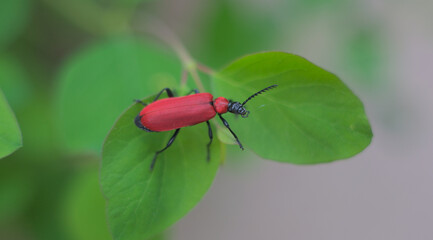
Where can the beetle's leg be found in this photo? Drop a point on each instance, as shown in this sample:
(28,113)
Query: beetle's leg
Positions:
(234,135)
(195,91)
(210,137)
(162,150)
(169,93)
(139,101)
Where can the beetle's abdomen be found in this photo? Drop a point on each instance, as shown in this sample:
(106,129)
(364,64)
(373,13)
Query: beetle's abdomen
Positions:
(177,112)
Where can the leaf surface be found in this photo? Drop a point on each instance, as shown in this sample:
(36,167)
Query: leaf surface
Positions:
(13,18)
(10,133)
(311,117)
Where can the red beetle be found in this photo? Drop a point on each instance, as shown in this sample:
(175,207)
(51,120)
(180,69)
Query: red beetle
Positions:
(178,112)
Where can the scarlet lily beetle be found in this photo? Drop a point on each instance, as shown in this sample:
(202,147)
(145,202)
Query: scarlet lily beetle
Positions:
(174,113)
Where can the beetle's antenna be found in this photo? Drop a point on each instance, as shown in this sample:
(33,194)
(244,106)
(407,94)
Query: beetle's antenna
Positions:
(259,92)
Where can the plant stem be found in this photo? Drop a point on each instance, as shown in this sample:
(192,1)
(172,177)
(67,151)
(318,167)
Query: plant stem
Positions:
(164,33)
(184,78)
(205,69)
(197,79)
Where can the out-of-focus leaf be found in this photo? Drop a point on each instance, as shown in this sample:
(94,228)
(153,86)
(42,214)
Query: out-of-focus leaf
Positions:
(37,124)
(44,218)
(13,17)
(161,236)
(10,133)
(101,81)
(311,4)
(228,32)
(128,2)
(95,16)
(142,203)
(225,136)
(84,208)
(13,81)
(311,117)
(363,55)
(15,192)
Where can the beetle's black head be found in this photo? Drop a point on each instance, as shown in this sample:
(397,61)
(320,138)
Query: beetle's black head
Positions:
(237,108)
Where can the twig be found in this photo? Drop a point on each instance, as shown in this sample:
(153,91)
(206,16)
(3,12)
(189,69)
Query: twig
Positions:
(205,69)
(161,31)
(184,78)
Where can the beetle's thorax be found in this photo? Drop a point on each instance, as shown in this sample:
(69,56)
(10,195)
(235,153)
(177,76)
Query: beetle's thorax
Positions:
(220,105)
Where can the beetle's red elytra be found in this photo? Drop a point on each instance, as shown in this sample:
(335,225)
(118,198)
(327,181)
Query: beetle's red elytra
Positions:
(177,112)
(174,113)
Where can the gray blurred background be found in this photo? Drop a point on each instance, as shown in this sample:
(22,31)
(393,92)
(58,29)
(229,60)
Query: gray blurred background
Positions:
(382,49)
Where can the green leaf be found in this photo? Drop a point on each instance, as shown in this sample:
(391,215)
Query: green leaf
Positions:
(14,81)
(305,5)
(13,17)
(364,55)
(84,208)
(40,137)
(161,236)
(10,133)
(142,203)
(228,31)
(16,191)
(127,2)
(311,117)
(100,82)
(225,136)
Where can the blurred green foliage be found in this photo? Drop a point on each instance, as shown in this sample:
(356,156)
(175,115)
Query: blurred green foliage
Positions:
(84,207)
(14,81)
(68,69)
(363,55)
(97,84)
(228,32)
(14,15)
(10,133)
(15,193)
